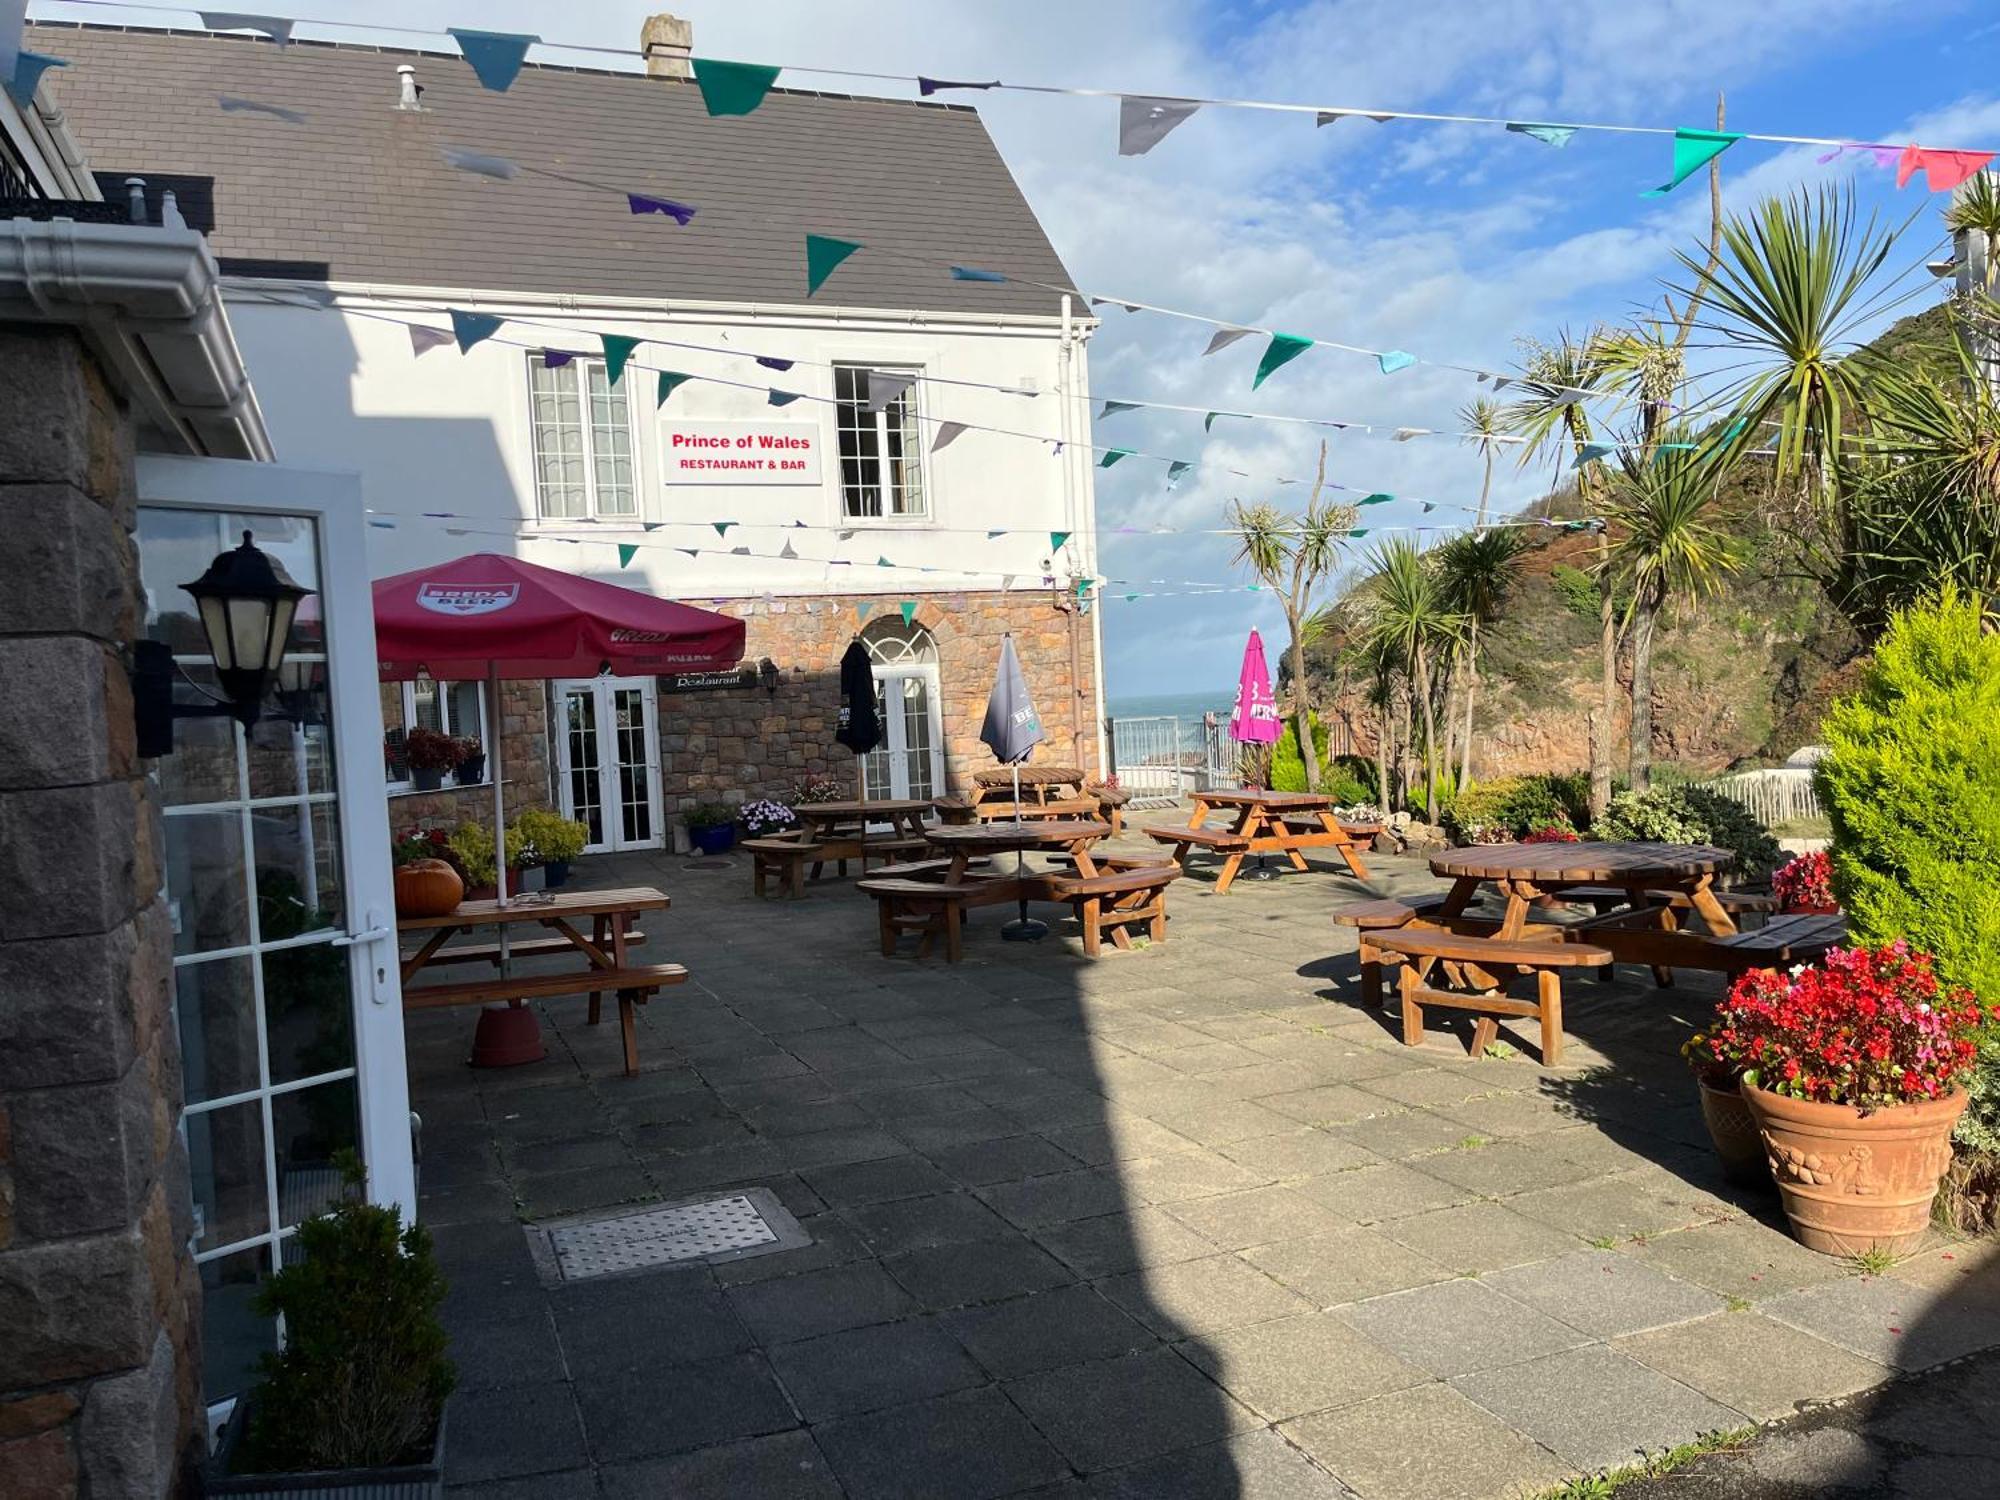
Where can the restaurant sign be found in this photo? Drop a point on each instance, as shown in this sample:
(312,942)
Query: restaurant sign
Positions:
(708,682)
(739,452)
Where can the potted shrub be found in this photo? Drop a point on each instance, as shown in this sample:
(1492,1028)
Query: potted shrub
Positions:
(471,760)
(815,787)
(765,817)
(1805,885)
(711,825)
(1852,1069)
(354,1403)
(557,840)
(426,883)
(472,850)
(429,755)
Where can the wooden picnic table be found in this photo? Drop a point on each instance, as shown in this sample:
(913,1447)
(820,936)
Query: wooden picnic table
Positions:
(967,842)
(1046,792)
(607,964)
(1266,823)
(841,829)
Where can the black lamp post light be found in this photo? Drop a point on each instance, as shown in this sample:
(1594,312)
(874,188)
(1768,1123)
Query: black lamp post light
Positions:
(246,602)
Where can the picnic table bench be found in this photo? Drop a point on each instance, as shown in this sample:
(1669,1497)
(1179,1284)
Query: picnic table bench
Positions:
(1266,823)
(1795,939)
(1418,951)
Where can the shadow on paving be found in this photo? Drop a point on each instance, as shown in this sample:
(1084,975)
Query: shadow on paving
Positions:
(991,1304)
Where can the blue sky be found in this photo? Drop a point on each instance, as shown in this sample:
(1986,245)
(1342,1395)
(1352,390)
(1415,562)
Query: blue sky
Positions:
(1448,241)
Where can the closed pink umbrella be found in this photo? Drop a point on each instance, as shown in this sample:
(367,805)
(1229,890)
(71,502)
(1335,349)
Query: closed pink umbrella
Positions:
(1254,720)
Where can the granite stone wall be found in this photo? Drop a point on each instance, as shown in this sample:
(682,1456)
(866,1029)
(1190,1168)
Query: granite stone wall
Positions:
(99,1299)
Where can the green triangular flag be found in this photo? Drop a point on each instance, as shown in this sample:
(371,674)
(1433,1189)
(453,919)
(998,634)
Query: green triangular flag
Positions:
(823,256)
(722,527)
(1359,531)
(1428,507)
(1283,348)
(909,608)
(1113,456)
(617,349)
(651,526)
(626,552)
(1693,150)
(883,562)
(1378,498)
(992,534)
(1175,469)
(1056,539)
(1130,597)
(732,88)
(863,608)
(670,381)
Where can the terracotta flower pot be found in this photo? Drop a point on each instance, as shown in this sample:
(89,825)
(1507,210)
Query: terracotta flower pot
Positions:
(1851,1181)
(427,888)
(1734,1131)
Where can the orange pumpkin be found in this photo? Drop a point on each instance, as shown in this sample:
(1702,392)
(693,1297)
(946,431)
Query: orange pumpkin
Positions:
(427,888)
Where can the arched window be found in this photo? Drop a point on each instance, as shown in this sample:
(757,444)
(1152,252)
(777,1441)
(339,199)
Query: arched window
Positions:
(891,643)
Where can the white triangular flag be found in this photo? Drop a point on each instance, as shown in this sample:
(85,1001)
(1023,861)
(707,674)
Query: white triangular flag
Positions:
(1143,123)
(885,386)
(947,433)
(1223,338)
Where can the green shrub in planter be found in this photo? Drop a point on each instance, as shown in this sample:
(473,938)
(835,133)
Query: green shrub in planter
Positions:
(1512,807)
(1693,815)
(1911,782)
(556,839)
(363,1376)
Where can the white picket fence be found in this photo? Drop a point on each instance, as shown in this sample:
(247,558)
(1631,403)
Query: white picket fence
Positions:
(1780,794)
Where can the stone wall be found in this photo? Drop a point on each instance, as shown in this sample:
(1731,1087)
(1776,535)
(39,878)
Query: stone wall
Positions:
(99,1381)
(746,743)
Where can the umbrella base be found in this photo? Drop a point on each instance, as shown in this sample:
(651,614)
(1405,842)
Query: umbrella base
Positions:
(506,1037)
(1024,930)
(1260,871)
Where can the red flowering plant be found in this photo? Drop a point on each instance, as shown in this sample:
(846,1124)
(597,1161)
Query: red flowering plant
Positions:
(1869,1027)
(1805,884)
(1555,833)
(424,843)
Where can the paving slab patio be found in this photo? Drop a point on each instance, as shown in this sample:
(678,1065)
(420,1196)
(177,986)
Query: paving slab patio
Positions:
(1189,1220)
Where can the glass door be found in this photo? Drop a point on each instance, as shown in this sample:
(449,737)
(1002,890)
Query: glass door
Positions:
(287,1000)
(909,762)
(606,765)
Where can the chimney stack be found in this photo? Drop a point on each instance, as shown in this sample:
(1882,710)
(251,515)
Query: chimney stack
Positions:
(666,42)
(409,93)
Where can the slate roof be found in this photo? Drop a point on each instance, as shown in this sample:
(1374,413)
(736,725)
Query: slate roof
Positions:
(361,191)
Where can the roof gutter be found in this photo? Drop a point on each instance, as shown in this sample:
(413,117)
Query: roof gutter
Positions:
(149,301)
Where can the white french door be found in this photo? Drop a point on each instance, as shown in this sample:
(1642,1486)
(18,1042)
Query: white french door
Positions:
(910,760)
(287,999)
(607,738)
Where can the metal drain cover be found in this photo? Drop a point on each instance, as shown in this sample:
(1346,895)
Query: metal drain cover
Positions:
(709,864)
(731,1227)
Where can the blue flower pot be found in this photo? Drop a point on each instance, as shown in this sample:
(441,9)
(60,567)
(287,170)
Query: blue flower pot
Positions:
(713,840)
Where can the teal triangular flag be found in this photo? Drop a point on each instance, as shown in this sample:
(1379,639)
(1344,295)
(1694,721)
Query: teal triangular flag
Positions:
(626,552)
(1693,150)
(1393,361)
(722,527)
(1113,456)
(909,609)
(1548,135)
(496,56)
(777,397)
(28,70)
(823,257)
(863,608)
(670,381)
(617,349)
(1594,451)
(1378,498)
(1056,540)
(1735,429)
(651,526)
(1283,349)
(1359,531)
(1112,408)
(470,327)
(1176,469)
(883,562)
(732,88)
(1428,507)
(1208,422)
(973,273)
(992,534)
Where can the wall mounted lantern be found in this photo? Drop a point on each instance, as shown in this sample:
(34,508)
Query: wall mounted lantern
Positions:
(768,674)
(246,602)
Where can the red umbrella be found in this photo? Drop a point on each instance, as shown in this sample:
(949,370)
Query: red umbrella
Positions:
(488,616)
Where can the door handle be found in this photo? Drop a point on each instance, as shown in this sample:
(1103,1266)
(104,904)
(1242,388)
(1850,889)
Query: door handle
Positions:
(356,939)
(375,931)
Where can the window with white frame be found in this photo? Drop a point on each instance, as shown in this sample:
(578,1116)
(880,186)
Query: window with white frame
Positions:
(881,450)
(453,708)
(583,441)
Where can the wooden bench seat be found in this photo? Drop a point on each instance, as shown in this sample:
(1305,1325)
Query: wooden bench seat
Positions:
(926,907)
(634,985)
(783,855)
(1782,941)
(923,869)
(1201,838)
(1120,898)
(996,811)
(1385,914)
(886,847)
(1736,903)
(479,953)
(1419,950)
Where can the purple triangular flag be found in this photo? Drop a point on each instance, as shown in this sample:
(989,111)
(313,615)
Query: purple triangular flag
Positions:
(929,86)
(771,362)
(680,213)
(423,340)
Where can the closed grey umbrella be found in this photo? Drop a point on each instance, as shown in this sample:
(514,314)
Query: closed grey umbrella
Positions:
(1011,731)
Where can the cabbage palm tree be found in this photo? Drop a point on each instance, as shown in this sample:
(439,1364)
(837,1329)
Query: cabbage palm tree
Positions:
(1555,379)
(1795,286)
(1669,549)
(1412,619)
(1479,570)
(1292,556)
(1483,424)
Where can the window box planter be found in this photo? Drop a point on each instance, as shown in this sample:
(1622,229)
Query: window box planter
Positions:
(422,1480)
(1850,1180)
(425,781)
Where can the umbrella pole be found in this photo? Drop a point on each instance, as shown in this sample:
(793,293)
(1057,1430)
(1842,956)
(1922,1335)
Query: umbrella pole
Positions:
(1023,929)
(499,794)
